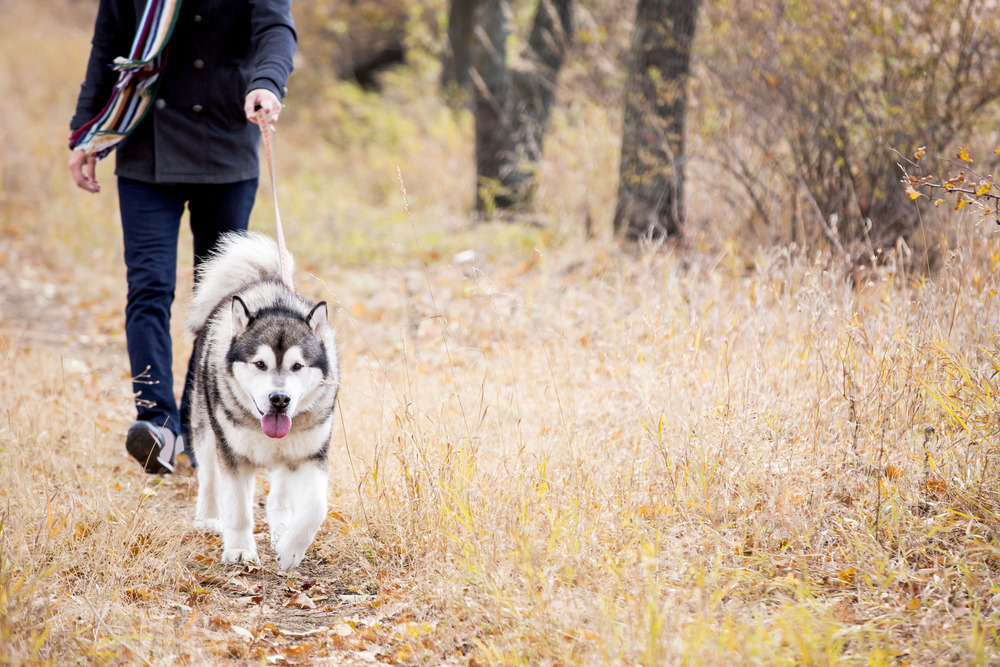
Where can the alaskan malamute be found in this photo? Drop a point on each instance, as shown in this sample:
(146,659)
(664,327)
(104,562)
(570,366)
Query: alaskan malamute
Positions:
(265,386)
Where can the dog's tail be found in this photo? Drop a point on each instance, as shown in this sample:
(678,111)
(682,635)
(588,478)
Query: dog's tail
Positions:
(238,259)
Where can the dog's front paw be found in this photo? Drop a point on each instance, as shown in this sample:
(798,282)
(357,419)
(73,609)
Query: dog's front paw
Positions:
(240,556)
(289,561)
(208,526)
(291,549)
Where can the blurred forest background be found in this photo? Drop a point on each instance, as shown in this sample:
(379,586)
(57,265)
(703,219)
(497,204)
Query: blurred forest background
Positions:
(773,139)
(792,127)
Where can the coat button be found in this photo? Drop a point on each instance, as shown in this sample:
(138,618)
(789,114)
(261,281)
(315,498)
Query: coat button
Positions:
(197,108)
(199,64)
(197,18)
(160,104)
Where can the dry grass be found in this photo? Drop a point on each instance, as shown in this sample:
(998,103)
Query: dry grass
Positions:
(564,454)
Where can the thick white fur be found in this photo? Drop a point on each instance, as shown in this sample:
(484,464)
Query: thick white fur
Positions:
(297,503)
(237,260)
(296,507)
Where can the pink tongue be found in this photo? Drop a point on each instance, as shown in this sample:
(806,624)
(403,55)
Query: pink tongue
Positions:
(276,426)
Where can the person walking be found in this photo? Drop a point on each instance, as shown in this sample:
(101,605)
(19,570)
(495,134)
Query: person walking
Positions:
(195,146)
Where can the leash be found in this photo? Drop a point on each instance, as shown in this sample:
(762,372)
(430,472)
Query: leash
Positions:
(285,260)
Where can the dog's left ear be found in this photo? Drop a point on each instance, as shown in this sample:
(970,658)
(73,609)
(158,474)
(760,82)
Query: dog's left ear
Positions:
(318,319)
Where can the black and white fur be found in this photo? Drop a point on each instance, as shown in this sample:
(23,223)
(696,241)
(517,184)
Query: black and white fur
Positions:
(265,359)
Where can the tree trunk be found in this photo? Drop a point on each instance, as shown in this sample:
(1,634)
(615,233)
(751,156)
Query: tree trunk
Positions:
(535,86)
(493,107)
(512,107)
(457,61)
(651,185)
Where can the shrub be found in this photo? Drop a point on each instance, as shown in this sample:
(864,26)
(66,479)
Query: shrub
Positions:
(807,99)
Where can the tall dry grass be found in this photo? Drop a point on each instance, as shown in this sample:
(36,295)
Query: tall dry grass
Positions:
(559,453)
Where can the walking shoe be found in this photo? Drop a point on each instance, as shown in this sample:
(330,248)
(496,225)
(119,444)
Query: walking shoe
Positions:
(153,446)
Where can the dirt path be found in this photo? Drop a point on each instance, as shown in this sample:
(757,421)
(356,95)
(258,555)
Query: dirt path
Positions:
(327,611)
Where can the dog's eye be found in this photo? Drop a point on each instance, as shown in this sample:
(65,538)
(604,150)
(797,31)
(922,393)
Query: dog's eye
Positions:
(261,365)
(297,366)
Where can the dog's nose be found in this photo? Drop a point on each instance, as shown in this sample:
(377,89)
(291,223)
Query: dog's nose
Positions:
(280,400)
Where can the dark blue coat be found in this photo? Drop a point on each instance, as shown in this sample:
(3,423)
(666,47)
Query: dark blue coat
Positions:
(196,131)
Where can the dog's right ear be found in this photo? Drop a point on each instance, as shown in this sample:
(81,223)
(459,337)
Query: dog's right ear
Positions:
(241,316)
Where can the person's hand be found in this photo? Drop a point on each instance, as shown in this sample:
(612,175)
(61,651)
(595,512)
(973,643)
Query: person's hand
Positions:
(83,167)
(264,99)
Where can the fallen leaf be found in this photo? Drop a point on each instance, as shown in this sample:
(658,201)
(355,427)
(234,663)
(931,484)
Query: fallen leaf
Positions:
(139,594)
(342,629)
(300,600)
(892,472)
(847,576)
(244,585)
(141,543)
(936,486)
(298,648)
(300,634)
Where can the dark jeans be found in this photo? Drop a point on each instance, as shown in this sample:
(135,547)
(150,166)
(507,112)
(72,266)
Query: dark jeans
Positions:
(151,216)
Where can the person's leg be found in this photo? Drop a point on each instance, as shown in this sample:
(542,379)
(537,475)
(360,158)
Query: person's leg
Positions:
(150,223)
(215,210)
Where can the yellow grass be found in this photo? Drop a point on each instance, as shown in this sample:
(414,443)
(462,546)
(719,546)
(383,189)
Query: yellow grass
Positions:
(564,454)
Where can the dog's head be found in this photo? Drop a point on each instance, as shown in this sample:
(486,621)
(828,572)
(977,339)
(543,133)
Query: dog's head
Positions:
(279,360)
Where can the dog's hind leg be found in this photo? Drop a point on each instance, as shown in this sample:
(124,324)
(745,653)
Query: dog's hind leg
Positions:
(303,491)
(235,488)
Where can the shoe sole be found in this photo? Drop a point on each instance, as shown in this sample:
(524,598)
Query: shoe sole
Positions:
(145,448)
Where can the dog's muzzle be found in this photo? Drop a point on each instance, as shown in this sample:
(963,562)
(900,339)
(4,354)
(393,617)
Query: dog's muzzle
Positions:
(276,423)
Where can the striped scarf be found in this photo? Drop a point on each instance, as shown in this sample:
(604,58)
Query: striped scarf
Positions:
(137,82)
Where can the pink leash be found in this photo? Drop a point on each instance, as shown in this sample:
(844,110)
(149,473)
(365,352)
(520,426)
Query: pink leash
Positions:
(265,133)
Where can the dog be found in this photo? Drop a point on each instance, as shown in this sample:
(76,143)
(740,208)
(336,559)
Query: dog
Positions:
(265,386)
